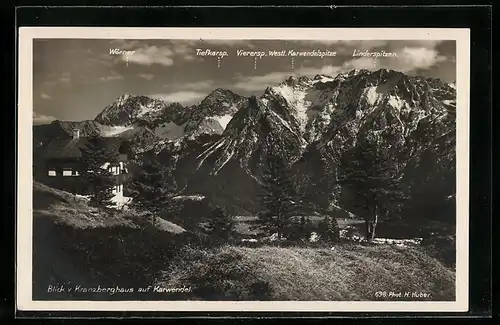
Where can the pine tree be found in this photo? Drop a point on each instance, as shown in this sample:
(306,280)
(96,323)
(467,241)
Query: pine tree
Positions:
(373,179)
(220,225)
(152,188)
(431,182)
(306,228)
(298,231)
(278,197)
(333,229)
(314,181)
(303,223)
(100,179)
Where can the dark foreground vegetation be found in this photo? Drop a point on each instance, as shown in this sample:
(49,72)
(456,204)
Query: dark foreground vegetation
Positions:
(80,247)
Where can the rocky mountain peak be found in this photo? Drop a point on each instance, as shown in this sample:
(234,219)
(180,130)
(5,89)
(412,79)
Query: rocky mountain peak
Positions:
(321,76)
(123,97)
(219,102)
(296,82)
(352,73)
(221,94)
(127,109)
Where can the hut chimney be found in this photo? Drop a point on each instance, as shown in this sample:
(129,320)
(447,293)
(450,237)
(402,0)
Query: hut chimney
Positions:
(76,134)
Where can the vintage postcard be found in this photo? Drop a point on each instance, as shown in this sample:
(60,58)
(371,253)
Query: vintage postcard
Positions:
(240,169)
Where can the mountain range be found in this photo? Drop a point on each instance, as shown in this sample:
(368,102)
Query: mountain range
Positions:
(217,145)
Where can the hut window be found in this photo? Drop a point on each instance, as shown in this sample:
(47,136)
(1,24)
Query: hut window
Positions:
(67,172)
(52,173)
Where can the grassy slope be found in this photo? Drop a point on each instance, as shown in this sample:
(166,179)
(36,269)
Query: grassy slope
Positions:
(346,273)
(74,244)
(64,208)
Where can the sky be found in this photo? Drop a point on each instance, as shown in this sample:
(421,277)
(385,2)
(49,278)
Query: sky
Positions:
(75,79)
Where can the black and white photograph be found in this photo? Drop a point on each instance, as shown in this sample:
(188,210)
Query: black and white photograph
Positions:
(246,169)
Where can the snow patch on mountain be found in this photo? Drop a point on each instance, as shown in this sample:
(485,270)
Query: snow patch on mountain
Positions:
(229,156)
(122,99)
(223,120)
(372,96)
(189,198)
(352,73)
(322,79)
(112,131)
(285,124)
(204,155)
(149,108)
(396,102)
(296,99)
(175,145)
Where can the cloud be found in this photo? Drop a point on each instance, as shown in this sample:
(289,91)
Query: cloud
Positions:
(340,46)
(361,63)
(189,57)
(149,52)
(57,79)
(126,44)
(330,70)
(411,56)
(112,76)
(101,59)
(151,55)
(161,52)
(45,96)
(419,58)
(183,97)
(431,44)
(183,46)
(226,43)
(42,119)
(256,83)
(65,78)
(197,85)
(147,76)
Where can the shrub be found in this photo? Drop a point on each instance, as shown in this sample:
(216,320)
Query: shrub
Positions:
(441,247)
(220,226)
(329,230)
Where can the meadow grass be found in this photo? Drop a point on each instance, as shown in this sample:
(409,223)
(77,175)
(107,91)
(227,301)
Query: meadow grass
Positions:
(349,272)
